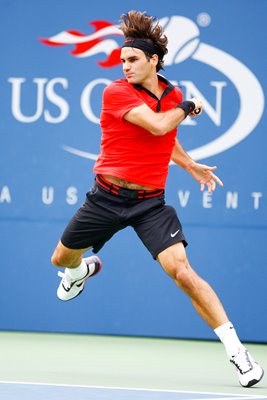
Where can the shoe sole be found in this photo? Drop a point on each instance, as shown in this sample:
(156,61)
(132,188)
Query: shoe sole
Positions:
(254,381)
(93,274)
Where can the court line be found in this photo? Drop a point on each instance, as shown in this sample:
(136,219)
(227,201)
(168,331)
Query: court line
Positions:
(234,396)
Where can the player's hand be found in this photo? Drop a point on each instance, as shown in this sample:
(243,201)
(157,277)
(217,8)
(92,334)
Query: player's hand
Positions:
(205,176)
(198,107)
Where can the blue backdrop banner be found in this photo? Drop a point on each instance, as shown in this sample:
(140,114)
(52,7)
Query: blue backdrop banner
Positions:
(56,59)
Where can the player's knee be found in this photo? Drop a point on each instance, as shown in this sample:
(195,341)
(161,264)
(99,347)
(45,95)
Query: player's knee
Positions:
(183,276)
(55,259)
(186,281)
(63,257)
(58,258)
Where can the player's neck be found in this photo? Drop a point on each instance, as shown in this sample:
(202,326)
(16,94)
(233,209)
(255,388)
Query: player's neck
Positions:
(152,84)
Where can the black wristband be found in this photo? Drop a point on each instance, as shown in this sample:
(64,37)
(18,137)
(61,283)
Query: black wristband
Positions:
(187,106)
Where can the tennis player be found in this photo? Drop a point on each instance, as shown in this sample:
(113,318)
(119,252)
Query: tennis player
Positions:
(139,121)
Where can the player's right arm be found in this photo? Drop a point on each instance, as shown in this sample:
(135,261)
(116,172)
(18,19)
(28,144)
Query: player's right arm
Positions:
(160,123)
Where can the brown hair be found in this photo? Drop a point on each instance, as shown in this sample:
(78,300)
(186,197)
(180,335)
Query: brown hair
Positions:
(136,24)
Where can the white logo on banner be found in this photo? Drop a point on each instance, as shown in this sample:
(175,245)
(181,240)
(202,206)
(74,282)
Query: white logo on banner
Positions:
(183,43)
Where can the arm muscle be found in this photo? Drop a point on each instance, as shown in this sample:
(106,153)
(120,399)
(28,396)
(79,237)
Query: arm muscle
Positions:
(157,123)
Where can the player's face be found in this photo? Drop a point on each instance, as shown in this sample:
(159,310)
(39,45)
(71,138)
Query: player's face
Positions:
(136,67)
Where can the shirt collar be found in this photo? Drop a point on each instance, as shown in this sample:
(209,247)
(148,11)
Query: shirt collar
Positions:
(161,78)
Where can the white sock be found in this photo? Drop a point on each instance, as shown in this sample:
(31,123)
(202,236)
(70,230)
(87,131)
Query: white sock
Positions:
(227,335)
(78,272)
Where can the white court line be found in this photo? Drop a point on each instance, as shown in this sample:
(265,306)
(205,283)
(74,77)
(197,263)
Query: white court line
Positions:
(233,396)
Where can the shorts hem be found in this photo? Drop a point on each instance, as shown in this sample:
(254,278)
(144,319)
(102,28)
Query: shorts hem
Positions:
(167,245)
(75,247)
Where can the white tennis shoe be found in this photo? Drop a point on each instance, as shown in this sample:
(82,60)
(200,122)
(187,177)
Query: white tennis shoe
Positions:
(69,289)
(249,372)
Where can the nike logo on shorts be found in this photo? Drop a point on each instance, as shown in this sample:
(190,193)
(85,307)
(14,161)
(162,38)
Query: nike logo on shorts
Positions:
(175,233)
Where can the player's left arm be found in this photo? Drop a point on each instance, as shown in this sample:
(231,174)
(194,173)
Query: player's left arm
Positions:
(201,172)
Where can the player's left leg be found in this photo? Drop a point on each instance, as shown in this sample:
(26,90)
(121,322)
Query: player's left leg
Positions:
(175,263)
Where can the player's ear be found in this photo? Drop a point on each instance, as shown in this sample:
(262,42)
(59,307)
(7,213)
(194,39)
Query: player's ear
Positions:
(155,59)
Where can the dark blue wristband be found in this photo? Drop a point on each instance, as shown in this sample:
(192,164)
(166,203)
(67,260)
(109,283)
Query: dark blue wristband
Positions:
(188,106)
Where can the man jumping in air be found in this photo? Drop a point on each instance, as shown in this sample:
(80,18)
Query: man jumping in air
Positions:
(139,120)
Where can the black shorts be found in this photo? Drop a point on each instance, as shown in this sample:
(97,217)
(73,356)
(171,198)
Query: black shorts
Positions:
(104,213)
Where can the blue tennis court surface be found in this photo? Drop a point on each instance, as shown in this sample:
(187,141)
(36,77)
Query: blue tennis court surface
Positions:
(33,391)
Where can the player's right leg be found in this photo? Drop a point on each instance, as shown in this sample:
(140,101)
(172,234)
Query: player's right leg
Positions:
(77,270)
